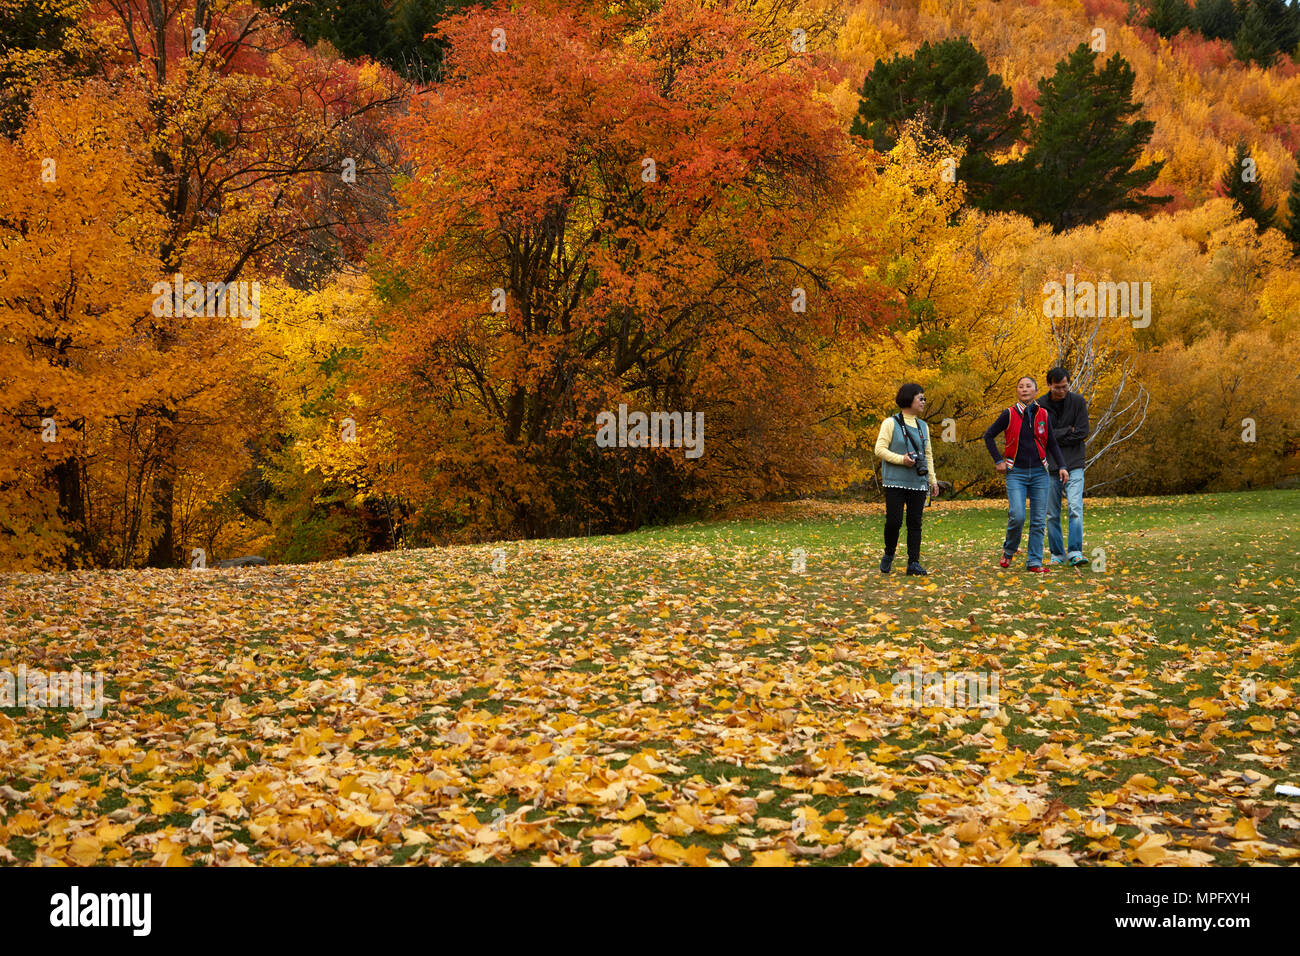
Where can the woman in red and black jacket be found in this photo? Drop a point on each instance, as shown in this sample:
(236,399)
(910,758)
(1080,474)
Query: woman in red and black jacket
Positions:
(1029,438)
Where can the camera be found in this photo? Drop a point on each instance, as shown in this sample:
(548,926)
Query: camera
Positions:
(918,457)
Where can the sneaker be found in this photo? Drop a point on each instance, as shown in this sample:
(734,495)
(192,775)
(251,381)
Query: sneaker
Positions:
(1005,562)
(886,563)
(915,568)
(1038,570)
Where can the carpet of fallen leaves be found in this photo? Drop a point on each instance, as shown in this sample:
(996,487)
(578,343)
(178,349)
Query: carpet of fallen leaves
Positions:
(678,696)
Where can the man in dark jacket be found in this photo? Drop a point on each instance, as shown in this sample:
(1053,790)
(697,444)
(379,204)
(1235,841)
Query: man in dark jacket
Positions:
(1068,412)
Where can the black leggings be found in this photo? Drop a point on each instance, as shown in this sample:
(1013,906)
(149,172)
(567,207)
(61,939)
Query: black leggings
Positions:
(895,499)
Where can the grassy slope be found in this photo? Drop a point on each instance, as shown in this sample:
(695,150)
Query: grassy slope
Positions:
(530,691)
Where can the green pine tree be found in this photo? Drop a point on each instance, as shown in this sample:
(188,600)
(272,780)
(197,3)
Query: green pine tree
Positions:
(1168,17)
(1292,230)
(1241,184)
(1079,165)
(391,32)
(1283,20)
(1217,19)
(355,28)
(412,20)
(1255,41)
(949,87)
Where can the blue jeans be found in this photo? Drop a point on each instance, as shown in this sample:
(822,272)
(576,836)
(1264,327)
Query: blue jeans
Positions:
(1031,483)
(1074,502)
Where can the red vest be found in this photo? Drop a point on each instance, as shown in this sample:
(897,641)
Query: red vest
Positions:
(1013,432)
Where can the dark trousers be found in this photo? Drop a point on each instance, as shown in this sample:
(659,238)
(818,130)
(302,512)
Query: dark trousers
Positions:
(895,500)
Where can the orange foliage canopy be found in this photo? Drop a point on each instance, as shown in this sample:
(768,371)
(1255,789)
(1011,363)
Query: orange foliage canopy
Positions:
(650,219)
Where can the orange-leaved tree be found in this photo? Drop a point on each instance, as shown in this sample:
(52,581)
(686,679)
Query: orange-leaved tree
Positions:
(604,213)
(78,227)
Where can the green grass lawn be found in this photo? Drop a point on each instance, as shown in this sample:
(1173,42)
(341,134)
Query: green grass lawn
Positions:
(680,694)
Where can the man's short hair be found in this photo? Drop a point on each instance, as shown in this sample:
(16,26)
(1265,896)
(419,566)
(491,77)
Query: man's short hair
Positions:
(1058,374)
(907,394)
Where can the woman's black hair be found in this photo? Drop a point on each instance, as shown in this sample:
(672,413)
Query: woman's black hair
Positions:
(907,393)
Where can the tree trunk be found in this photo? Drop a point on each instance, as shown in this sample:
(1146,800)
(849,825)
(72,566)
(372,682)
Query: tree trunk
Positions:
(162,553)
(66,477)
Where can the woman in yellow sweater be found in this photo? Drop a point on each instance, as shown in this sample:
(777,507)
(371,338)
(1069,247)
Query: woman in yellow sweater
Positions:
(904,441)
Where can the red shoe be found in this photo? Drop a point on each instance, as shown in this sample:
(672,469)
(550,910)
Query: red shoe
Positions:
(1005,562)
(1041,569)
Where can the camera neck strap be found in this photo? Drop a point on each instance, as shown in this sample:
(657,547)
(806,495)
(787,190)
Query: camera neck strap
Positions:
(907,435)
